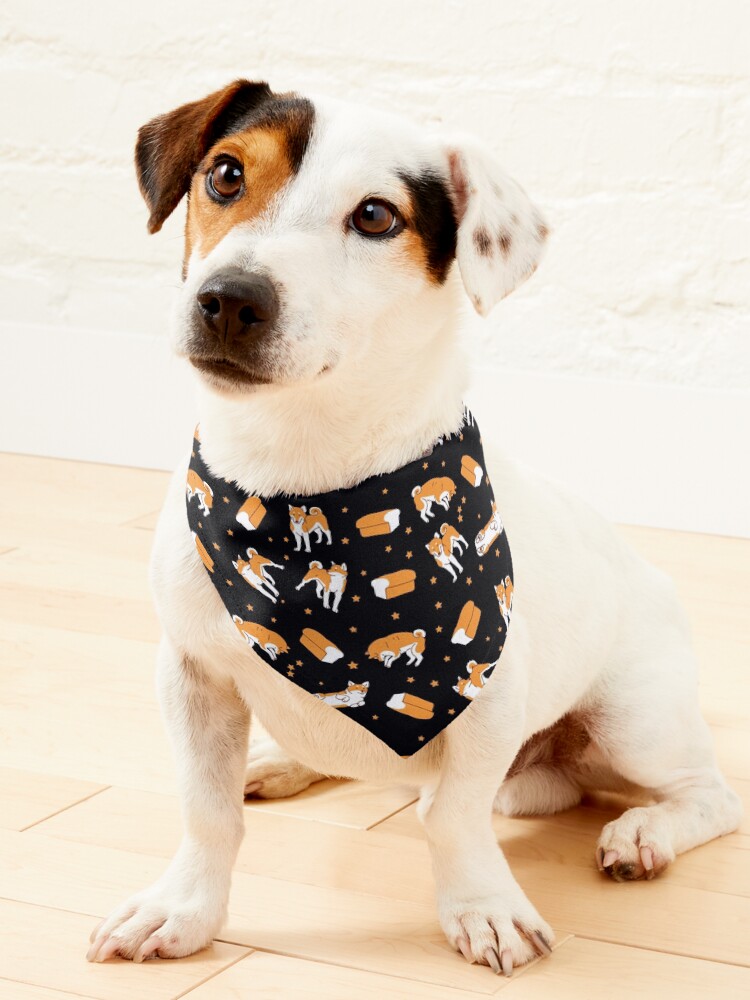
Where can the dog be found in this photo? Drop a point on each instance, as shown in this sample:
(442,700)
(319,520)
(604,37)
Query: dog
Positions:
(442,546)
(327,582)
(327,250)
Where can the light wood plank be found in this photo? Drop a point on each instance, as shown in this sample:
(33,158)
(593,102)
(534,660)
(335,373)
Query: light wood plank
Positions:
(71,701)
(27,991)
(147,522)
(262,976)
(66,568)
(45,948)
(583,968)
(107,494)
(27,798)
(358,804)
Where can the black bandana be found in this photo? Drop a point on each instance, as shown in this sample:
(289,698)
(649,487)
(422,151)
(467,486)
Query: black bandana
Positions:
(389,601)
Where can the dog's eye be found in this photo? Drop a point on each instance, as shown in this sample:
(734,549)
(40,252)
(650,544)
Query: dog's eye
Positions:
(374,217)
(224,181)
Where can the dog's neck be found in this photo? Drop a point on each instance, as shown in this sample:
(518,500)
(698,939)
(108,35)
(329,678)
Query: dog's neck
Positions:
(337,430)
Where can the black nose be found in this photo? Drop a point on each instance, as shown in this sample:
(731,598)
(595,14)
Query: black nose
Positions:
(234,305)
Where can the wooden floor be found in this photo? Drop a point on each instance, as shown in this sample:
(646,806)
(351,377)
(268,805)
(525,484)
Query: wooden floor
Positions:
(332,895)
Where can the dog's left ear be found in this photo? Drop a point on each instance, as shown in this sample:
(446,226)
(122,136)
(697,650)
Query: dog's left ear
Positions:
(501,234)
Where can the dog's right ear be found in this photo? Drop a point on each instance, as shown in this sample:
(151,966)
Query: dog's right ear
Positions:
(170,147)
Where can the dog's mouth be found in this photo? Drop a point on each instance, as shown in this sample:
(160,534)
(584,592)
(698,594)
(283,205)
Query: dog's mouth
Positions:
(225,371)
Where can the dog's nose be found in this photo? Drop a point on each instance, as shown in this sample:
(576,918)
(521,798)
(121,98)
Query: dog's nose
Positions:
(234,304)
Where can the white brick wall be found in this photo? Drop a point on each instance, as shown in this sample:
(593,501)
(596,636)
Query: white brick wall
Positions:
(628,122)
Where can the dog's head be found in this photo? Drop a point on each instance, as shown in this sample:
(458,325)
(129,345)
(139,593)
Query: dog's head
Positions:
(311,226)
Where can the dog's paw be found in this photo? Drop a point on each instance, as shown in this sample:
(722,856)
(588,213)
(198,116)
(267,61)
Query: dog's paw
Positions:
(497,932)
(272,774)
(153,925)
(635,845)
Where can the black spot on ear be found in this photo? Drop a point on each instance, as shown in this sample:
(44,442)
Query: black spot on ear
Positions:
(504,241)
(482,242)
(433,219)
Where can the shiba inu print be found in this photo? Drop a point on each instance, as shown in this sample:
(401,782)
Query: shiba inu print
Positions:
(389,601)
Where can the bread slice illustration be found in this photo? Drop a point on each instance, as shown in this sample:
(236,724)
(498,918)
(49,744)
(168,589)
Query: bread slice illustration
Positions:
(409,704)
(319,646)
(394,584)
(471,470)
(251,513)
(467,624)
(382,522)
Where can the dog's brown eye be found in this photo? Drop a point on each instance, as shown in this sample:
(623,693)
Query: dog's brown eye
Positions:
(374,217)
(225,180)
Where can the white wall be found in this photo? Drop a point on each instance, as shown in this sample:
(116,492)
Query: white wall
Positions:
(628,122)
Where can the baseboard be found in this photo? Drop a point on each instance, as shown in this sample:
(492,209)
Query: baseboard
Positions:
(657,455)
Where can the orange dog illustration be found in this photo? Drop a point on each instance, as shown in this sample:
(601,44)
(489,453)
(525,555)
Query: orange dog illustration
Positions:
(254,571)
(390,647)
(304,523)
(327,582)
(439,490)
(470,686)
(489,533)
(442,547)
(251,513)
(197,488)
(256,635)
(203,553)
(351,697)
(504,593)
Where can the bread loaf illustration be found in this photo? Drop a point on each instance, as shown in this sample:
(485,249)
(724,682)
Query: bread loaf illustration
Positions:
(251,513)
(319,646)
(394,584)
(471,470)
(203,553)
(382,522)
(467,624)
(409,704)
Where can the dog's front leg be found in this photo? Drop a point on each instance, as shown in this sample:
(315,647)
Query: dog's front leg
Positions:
(484,912)
(183,910)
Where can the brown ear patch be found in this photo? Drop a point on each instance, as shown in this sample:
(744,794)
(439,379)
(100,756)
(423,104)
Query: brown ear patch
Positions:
(170,148)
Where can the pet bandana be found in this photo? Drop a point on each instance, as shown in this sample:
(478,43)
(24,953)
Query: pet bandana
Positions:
(388,601)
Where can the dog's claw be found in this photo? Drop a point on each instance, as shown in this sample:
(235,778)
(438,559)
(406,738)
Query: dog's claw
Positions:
(647,860)
(94,949)
(95,933)
(600,858)
(493,961)
(541,943)
(253,786)
(149,949)
(107,950)
(609,858)
(463,947)
(506,963)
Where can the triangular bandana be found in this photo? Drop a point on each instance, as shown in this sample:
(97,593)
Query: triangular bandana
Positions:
(390,601)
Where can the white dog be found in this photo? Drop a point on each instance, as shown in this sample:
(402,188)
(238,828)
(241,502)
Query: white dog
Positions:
(319,306)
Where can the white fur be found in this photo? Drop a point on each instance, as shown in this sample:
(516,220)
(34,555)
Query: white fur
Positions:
(594,629)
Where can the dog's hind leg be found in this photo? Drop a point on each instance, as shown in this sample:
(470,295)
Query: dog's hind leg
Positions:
(184,909)
(272,774)
(649,730)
